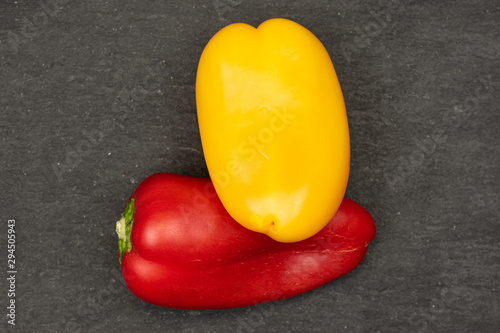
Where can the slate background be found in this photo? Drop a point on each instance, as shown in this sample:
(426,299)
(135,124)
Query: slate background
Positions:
(97,95)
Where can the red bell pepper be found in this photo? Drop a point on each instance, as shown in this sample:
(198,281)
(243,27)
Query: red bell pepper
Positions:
(179,248)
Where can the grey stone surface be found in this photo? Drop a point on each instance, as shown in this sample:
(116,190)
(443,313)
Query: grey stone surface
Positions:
(97,95)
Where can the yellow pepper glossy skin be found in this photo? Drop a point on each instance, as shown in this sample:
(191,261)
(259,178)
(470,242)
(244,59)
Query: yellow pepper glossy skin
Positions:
(273,127)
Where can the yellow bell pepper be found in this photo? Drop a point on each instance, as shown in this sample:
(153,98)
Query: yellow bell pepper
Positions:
(273,127)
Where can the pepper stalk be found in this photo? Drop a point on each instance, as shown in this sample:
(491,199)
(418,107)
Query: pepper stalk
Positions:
(123,228)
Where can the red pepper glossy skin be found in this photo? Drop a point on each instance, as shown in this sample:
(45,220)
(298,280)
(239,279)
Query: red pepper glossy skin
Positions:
(188,253)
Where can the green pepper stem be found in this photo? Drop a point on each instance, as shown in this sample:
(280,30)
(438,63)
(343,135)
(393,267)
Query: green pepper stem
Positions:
(123,228)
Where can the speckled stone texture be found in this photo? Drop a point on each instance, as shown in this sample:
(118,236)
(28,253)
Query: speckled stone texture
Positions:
(97,95)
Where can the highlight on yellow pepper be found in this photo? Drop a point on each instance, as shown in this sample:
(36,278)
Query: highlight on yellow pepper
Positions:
(273,127)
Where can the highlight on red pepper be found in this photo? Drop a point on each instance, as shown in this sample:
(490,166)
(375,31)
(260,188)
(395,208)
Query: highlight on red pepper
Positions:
(179,248)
